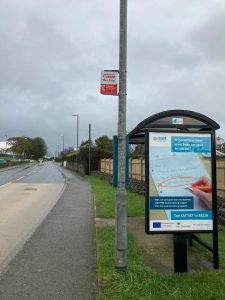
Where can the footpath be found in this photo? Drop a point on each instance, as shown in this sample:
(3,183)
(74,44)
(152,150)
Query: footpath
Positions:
(57,261)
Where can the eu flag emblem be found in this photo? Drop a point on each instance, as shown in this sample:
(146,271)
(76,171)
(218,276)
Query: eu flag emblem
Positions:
(156,225)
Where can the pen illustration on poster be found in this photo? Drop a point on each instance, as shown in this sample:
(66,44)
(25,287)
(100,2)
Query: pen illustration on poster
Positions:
(180,193)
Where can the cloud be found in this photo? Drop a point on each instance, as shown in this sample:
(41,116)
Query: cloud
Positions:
(52,53)
(209,38)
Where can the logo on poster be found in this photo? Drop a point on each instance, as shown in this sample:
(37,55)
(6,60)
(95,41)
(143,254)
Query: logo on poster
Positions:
(160,138)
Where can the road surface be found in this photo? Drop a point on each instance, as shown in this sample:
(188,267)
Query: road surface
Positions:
(27,194)
(57,261)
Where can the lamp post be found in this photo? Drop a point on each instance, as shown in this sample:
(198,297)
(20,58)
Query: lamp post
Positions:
(121,196)
(89,151)
(77,136)
(57,150)
(62,135)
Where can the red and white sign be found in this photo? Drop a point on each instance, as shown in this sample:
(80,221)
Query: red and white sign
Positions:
(109,83)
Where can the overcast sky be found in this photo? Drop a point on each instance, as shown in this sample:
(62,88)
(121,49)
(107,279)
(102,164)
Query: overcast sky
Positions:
(52,53)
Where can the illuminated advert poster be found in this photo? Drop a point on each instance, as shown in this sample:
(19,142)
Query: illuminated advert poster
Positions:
(180,192)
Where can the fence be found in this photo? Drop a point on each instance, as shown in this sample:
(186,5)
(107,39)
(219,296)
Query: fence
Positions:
(106,166)
(137,171)
(220,172)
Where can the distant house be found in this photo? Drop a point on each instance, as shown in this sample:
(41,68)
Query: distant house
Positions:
(3,147)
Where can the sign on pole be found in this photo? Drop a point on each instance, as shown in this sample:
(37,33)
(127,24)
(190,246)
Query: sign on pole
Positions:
(109,82)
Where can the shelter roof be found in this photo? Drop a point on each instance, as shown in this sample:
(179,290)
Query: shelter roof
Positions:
(176,120)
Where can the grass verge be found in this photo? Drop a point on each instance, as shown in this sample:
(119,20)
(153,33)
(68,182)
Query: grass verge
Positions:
(140,281)
(105,196)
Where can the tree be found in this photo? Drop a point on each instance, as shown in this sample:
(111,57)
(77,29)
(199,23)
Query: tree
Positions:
(28,147)
(103,148)
(138,152)
(39,148)
(21,145)
(96,155)
(104,143)
(86,144)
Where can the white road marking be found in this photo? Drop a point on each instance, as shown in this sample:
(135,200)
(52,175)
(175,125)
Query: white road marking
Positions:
(5,184)
(20,178)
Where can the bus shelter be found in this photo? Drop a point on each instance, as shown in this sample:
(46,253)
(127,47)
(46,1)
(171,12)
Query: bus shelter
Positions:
(180,179)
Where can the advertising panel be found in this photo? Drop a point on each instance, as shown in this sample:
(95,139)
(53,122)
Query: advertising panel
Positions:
(180,191)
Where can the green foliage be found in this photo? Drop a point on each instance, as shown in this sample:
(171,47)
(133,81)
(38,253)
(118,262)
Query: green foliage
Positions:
(104,143)
(95,155)
(11,164)
(39,148)
(138,152)
(87,143)
(102,149)
(28,147)
(21,145)
(70,156)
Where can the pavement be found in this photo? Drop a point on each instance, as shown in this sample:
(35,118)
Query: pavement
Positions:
(57,262)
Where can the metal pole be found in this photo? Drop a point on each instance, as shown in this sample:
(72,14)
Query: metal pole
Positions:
(77,139)
(214,205)
(77,131)
(121,196)
(77,142)
(62,135)
(89,151)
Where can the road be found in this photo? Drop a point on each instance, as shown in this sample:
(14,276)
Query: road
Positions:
(27,194)
(57,261)
(33,173)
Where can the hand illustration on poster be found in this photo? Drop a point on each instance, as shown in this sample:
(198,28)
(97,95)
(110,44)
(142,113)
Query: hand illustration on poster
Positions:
(202,188)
